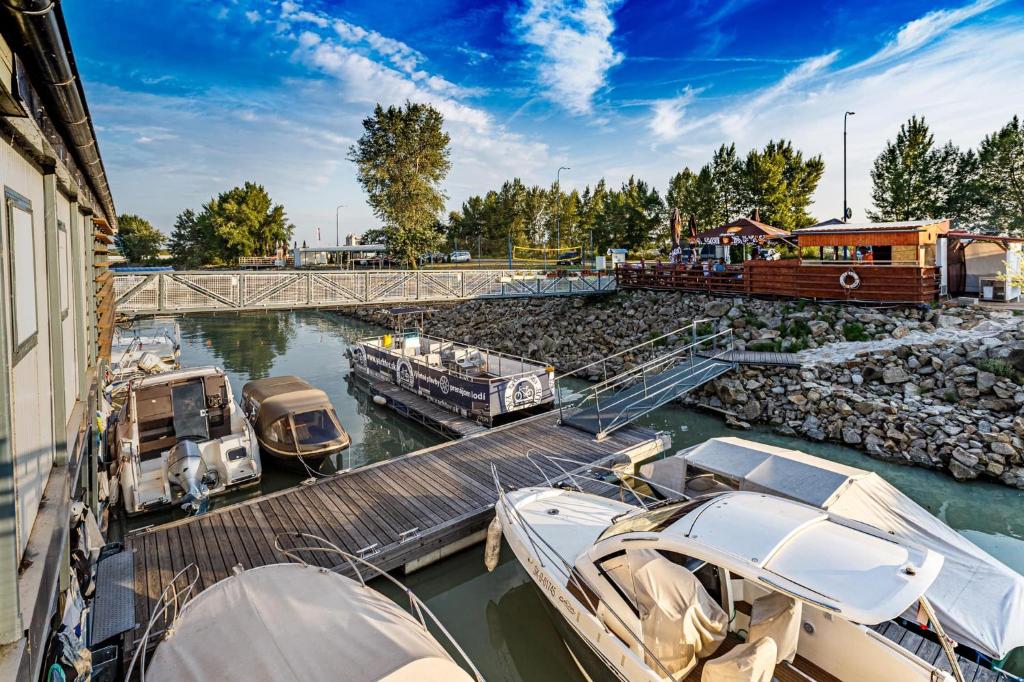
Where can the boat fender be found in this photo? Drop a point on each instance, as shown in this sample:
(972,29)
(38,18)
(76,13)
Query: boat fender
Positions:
(492,550)
(380,400)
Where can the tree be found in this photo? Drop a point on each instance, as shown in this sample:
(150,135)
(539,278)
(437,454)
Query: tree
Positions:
(635,216)
(1001,179)
(137,240)
(186,241)
(780,184)
(401,160)
(912,178)
(727,172)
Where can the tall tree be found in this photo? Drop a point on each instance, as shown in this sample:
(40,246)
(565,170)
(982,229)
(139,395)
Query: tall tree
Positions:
(401,159)
(187,239)
(913,178)
(244,221)
(727,172)
(1001,179)
(780,184)
(137,239)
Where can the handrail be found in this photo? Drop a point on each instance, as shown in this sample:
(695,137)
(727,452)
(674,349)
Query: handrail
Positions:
(417,607)
(169,601)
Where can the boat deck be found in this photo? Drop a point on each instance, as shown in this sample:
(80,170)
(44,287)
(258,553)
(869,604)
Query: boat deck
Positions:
(801,670)
(420,409)
(404,512)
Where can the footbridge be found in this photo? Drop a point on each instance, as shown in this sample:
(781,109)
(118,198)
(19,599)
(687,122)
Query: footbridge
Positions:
(171,292)
(616,400)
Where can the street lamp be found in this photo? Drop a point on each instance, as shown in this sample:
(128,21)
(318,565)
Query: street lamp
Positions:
(337,225)
(845,209)
(558,211)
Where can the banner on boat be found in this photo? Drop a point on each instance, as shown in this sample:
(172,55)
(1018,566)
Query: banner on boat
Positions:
(464,395)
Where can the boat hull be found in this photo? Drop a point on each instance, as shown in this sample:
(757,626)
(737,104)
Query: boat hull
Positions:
(294,462)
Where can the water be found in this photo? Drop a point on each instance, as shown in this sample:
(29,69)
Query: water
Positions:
(499,618)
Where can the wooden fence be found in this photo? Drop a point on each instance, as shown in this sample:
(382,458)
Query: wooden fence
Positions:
(876,283)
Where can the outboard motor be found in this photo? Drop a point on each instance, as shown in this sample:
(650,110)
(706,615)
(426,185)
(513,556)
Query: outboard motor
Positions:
(187,470)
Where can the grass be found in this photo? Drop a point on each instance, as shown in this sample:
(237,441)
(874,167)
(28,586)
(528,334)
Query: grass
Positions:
(765,346)
(705,329)
(854,331)
(1000,368)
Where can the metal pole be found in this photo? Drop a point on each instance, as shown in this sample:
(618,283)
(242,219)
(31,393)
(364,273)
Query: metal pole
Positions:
(337,227)
(845,116)
(558,213)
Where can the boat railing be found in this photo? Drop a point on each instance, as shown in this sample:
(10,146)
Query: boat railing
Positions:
(585,590)
(417,608)
(169,605)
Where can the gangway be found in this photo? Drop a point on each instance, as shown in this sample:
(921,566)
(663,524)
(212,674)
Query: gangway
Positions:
(618,400)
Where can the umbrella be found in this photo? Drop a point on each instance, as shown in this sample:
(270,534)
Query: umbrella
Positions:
(676,226)
(693,226)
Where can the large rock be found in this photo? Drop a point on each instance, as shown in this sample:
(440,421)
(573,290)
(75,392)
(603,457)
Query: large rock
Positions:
(948,321)
(895,375)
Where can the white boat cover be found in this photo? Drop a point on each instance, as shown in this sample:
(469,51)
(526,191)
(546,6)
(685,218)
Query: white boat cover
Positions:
(978,599)
(679,620)
(750,662)
(296,622)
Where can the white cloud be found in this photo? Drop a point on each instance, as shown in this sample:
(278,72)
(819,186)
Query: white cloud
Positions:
(571,41)
(667,115)
(252,16)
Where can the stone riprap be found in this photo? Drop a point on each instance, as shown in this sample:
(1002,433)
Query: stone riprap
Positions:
(938,388)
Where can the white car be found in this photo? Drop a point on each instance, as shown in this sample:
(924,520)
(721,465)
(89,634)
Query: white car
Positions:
(459,257)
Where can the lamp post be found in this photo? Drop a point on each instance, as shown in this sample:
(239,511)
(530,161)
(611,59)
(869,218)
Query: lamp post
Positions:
(337,225)
(845,209)
(558,212)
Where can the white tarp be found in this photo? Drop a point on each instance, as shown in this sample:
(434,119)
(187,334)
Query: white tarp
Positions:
(978,599)
(295,622)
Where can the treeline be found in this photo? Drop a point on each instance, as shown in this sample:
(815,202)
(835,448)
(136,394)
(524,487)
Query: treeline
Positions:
(776,180)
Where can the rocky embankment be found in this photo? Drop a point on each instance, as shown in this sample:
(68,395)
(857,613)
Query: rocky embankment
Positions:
(935,388)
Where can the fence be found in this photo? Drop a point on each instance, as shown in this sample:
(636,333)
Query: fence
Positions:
(187,292)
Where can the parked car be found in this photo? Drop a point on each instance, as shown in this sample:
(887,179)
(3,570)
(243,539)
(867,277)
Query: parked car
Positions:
(569,258)
(435,257)
(460,257)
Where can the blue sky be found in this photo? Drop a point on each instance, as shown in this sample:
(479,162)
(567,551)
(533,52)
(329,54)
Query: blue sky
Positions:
(194,96)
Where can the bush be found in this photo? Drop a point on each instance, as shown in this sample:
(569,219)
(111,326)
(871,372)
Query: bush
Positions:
(854,331)
(705,329)
(1000,368)
(765,346)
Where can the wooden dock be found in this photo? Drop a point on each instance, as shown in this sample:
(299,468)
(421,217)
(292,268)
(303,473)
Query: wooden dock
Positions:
(401,513)
(932,653)
(419,409)
(755,357)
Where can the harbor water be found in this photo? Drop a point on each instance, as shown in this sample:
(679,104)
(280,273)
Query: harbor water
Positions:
(498,617)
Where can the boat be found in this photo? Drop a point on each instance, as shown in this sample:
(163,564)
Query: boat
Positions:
(153,351)
(294,422)
(483,385)
(180,438)
(296,621)
(731,585)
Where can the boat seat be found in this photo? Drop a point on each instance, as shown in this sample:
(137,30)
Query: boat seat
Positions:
(750,662)
(777,616)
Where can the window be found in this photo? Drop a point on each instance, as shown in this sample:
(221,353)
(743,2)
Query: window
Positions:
(22,269)
(64,266)
(652,520)
(315,429)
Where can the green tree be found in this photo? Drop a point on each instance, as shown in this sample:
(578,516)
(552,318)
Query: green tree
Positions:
(137,239)
(729,186)
(243,221)
(780,184)
(635,216)
(913,178)
(401,160)
(1001,179)
(187,240)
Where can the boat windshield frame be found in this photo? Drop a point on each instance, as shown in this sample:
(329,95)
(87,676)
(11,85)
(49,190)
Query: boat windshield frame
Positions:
(654,519)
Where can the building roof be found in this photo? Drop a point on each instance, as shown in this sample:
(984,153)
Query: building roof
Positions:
(964,234)
(742,228)
(901,226)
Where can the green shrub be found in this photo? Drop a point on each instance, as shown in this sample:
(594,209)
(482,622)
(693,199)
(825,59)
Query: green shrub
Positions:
(705,329)
(1000,368)
(854,331)
(765,346)
(949,397)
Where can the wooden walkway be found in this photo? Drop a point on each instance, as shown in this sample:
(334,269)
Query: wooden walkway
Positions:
(753,357)
(402,512)
(420,409)
(932,652)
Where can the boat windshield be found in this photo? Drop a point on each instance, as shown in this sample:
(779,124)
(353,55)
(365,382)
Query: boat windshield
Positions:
(652,520)
(315,428)
(188,402)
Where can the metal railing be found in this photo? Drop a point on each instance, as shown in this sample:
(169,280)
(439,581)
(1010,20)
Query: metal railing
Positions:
(232,290)
(703,358)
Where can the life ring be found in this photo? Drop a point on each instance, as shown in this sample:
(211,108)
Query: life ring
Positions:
(849,280)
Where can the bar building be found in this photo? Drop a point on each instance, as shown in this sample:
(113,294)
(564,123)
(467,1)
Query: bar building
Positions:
(56,321)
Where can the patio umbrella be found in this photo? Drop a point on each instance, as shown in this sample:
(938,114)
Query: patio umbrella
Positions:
(693,226)
(676,226)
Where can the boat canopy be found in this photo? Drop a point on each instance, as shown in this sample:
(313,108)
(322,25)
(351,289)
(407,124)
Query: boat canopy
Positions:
(863,576)
(298,622)
(292,414)
(978,599)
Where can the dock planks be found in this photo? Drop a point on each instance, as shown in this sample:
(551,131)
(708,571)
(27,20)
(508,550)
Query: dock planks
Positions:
(393,512)
(753,357)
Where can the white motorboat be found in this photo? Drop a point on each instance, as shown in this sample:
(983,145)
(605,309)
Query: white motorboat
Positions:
(295,621)
(731,586)
(180,438)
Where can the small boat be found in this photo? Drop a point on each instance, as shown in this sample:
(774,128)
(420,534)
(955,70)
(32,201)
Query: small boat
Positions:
(295,621)
(294,422)
(729,586)
(180,438)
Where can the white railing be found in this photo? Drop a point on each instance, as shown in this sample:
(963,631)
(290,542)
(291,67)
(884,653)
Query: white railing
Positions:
(225,290)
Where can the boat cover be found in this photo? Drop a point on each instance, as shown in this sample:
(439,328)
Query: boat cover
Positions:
(978,599)
(296,622)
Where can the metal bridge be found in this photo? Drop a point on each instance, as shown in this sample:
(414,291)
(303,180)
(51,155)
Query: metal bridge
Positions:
(169,292)
(618,400)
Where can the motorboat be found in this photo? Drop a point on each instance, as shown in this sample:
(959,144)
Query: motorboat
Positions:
(294,422)
(132,355)
(484,385)
(295,621)
(180,438)
(732,586)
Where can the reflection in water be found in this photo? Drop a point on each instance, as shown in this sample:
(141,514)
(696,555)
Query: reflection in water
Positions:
(498,617)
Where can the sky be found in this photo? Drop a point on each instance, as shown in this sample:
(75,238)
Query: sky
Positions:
(192,97)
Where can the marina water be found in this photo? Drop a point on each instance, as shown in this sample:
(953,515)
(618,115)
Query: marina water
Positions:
(498,617)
